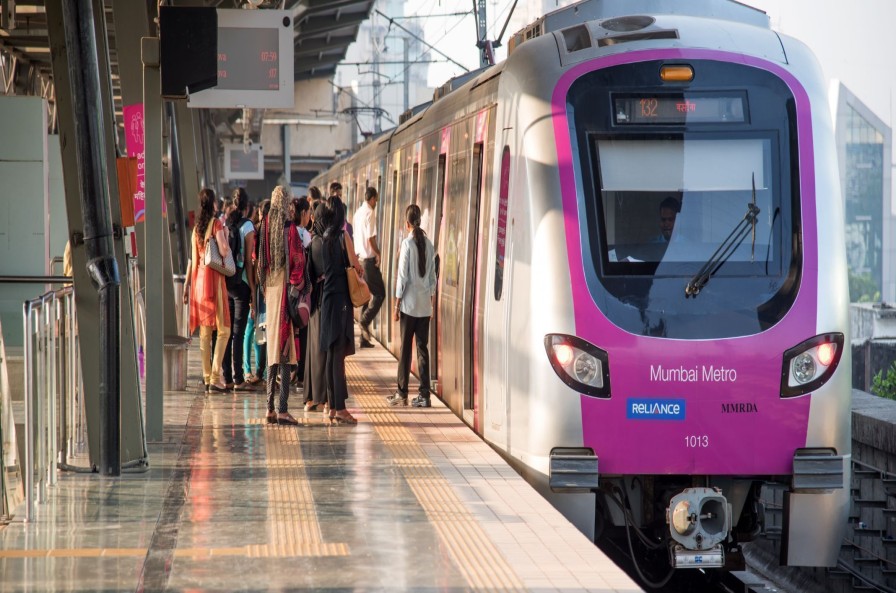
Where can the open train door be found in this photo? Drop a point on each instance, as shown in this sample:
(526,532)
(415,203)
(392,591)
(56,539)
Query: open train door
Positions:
(457,249)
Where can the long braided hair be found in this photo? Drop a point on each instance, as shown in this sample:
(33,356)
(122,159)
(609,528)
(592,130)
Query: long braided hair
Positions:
(412,215)
(276,222)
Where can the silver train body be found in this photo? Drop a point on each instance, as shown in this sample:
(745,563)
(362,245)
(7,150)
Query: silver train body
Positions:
(623,383)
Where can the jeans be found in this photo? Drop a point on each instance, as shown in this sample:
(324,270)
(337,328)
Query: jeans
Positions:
(238,299)
(414,328)
(248,346)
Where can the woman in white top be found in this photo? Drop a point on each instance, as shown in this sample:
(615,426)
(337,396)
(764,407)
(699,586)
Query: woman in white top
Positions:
(414,293)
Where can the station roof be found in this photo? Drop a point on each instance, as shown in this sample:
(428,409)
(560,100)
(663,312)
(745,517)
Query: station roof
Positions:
(324,30)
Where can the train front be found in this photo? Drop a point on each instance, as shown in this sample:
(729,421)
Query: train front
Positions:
(704,233)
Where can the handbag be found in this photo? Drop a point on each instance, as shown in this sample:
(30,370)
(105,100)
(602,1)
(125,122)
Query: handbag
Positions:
(357,287)
(215,261)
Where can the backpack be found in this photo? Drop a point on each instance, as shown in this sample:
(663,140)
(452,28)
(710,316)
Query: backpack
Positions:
(235,240)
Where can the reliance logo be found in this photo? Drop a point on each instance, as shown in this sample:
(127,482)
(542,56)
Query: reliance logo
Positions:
(655,409)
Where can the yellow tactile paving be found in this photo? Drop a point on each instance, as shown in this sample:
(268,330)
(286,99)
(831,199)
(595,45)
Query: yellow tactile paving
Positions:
(474,554)
(293,526)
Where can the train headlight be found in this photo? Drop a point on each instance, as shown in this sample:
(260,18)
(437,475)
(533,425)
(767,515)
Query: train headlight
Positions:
(580,364)
(587,370)
(809,365)
(803,368)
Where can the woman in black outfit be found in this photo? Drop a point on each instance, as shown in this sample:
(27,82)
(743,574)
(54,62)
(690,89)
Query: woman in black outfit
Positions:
(315,379)
(336,323)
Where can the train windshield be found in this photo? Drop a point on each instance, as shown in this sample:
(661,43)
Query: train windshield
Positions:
(697,193)
(691,197)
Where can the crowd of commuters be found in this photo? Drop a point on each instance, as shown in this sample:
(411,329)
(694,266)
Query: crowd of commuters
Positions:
(289,246)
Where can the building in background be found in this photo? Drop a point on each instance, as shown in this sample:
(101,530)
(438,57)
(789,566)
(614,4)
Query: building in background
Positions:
(864,144)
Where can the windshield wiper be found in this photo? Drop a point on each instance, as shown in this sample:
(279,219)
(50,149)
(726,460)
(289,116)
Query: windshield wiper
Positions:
(723,251)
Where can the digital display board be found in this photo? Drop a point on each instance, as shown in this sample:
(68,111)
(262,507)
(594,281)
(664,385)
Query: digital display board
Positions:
(241,162)
(255,61)
(255,65)
(679,108)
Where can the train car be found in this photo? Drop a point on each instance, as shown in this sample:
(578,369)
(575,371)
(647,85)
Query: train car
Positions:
(642,298)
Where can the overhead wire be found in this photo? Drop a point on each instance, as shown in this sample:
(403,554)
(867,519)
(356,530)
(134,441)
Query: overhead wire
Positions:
(413,62)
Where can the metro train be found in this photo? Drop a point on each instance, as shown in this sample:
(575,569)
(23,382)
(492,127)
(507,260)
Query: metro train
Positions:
(642,298)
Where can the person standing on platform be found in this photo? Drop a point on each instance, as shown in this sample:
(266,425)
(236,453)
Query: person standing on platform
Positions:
(368,251)
(240,287)
(414,292)
(336,192)
(256,325)
(208,297)
(281,261)
(336,324)
(315,383)
(300,214)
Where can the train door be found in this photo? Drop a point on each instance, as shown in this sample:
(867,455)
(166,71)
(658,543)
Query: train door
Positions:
(480,263)
(471,311)
(438,220)
(459,247)
(452,248)
(497,320)
(390,257)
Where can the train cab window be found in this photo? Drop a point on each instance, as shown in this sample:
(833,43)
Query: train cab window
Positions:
(701,194)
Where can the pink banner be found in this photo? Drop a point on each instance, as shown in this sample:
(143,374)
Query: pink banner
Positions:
(133,126)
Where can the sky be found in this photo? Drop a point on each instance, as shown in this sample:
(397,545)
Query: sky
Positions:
(853,39)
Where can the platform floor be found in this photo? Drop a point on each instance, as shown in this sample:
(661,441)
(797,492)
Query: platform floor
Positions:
(407,500)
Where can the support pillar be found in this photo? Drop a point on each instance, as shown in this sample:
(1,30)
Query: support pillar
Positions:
(108,354)
(155,310)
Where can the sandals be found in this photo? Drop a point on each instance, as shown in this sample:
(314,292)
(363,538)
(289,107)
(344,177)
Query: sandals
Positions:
(271,417)
(286,418)
(313,407)
(343,418)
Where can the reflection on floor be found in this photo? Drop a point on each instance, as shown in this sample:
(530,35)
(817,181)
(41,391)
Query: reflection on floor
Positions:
(407,500)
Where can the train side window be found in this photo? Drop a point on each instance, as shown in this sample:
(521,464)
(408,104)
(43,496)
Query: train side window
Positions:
(501,232)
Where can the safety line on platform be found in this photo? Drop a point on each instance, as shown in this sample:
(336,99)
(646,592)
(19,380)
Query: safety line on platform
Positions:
(474,554)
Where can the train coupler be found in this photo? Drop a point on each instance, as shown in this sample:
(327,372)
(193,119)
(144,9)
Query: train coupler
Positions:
(699,522)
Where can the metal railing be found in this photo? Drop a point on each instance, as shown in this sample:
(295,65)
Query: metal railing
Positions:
(55,418)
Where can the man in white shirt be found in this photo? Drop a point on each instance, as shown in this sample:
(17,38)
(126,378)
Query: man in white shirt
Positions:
(368,251)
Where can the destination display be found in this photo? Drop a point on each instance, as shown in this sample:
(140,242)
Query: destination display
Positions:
(679,108)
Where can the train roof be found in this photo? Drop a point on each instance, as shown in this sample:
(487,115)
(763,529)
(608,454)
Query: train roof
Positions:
(600,10)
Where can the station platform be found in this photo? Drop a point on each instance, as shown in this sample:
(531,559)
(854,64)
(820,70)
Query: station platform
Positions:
(408,499)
